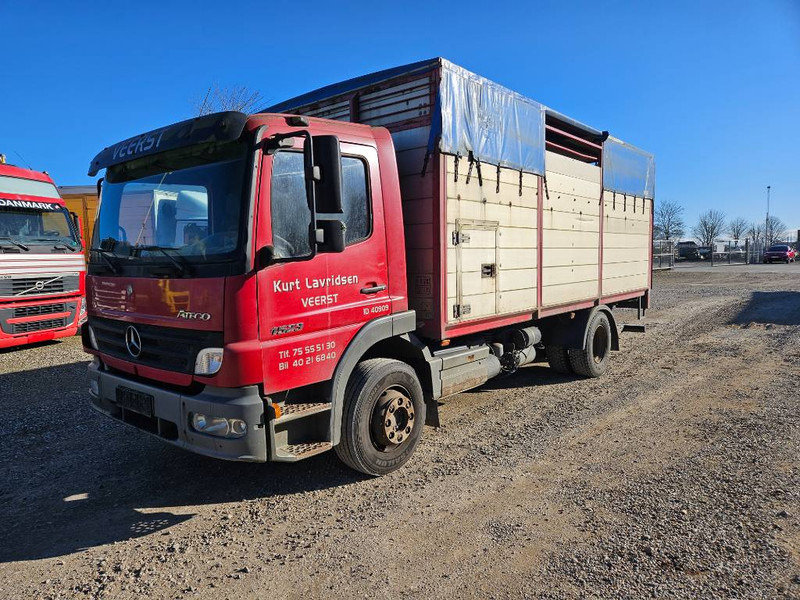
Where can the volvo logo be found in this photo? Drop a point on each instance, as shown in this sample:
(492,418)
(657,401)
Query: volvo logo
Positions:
(133,341)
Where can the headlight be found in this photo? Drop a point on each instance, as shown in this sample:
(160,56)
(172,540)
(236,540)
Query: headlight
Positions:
(209,361)
(218,426)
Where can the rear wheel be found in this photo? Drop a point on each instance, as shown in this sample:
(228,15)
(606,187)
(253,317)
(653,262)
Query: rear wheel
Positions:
(592,359)
(558,359)
(384,412)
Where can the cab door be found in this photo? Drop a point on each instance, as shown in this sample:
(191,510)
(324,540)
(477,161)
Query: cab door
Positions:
(310,308)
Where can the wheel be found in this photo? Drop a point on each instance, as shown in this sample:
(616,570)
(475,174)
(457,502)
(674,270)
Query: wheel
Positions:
(592,359)
(558,359)
(384,413)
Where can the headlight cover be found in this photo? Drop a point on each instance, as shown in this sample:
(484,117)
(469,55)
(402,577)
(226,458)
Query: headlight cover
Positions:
(209,361)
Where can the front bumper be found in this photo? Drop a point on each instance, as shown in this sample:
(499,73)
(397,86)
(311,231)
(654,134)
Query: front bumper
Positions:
(171,410)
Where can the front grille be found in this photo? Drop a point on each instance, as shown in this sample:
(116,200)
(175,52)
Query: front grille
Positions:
(39,325)
(44,284)
(166,348)
(33,311)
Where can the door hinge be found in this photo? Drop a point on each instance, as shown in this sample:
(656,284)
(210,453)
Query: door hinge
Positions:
(459,310)
(459,237)
(489,270)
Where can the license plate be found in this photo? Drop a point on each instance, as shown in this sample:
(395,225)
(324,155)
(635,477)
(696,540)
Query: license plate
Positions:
(136,401)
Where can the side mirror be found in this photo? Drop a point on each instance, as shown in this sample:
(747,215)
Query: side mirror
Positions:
(264,257)
(330,235)
(328,178)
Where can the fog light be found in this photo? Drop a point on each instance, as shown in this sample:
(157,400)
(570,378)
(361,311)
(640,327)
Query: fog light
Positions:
(218,426)
(94,387)
(82,313)
(209,361)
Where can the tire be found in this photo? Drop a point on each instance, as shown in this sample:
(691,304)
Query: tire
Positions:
(559,360)
(592,360)
(378,387)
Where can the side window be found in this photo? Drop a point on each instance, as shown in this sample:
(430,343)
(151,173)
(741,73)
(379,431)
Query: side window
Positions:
(355,200)
(290,213)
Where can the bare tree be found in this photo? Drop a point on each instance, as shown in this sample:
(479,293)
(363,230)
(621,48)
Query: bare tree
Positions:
(238,97)
(668,222)
(755,231)
(709,226)
(776,230)
(737,228)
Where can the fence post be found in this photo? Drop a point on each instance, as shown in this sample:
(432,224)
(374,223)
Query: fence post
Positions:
(729,252)
(747,251)
(712,253)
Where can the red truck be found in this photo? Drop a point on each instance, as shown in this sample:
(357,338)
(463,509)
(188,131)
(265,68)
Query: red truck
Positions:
(42,267)
(272,286)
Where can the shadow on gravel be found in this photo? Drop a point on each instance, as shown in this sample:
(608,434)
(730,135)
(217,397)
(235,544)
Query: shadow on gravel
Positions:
(772,308)
(71,479)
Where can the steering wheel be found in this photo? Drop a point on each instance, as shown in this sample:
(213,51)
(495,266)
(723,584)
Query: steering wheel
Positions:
(280,249)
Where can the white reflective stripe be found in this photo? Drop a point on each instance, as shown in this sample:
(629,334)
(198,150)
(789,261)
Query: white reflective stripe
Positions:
(15,273)
(29,256)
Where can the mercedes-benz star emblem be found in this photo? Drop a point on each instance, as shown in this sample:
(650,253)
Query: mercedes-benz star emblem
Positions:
(133,341)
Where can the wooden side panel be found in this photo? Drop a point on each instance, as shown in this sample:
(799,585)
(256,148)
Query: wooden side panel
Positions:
(570,231)
(501,225)
(626,239)
(417,192)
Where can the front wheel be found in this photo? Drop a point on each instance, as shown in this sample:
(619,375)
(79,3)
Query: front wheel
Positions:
(384,412)
(592,359)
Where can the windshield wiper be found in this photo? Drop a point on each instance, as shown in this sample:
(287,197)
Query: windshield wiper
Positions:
(59,245)
(15,242)
(181,265)
(108,261)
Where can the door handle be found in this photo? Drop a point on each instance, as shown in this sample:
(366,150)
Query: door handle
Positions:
(373,289)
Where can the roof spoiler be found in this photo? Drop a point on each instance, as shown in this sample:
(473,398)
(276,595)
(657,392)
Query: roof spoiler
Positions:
(217,127)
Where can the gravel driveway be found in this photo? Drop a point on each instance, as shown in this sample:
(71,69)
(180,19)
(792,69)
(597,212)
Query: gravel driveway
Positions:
(675,475)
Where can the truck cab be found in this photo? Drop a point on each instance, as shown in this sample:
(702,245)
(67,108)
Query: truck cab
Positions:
(42,267)
(225,276)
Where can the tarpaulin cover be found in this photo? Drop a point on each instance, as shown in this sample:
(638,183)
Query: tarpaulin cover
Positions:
(495,124)
(628,169)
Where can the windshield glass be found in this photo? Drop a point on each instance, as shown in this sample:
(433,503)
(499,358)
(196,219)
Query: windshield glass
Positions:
(27,187)
(188,201)
(47,223)
(778,249)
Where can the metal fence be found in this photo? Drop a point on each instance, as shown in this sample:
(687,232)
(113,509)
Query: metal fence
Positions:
(663,254)
(729,252)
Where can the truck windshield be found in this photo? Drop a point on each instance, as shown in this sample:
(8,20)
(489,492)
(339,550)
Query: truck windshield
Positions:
(187,202)
(31,223)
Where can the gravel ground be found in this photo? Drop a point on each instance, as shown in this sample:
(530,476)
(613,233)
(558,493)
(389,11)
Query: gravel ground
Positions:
(675,475)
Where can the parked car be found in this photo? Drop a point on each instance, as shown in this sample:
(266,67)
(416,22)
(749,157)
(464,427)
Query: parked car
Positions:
(704,252)
(780,252)
(687,251)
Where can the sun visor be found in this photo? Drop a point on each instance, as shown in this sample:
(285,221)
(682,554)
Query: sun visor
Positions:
(217,127)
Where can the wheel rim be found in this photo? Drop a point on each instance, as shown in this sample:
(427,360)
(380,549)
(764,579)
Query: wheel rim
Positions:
(393,419)
(600,344)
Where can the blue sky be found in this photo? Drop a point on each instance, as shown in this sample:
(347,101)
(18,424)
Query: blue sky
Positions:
(712,88)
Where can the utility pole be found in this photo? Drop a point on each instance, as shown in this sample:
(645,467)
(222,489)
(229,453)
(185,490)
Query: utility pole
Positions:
(766,222)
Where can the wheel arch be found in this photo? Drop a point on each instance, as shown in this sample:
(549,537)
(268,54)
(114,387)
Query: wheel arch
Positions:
(572,332)
(385,337)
